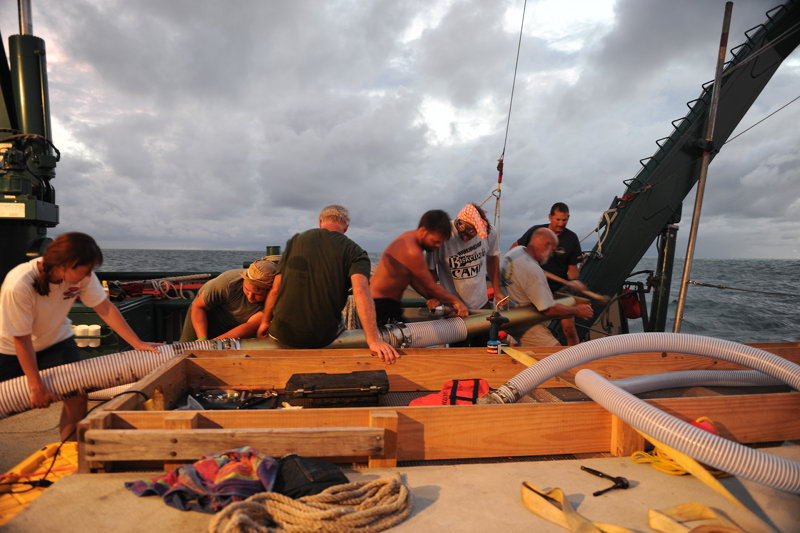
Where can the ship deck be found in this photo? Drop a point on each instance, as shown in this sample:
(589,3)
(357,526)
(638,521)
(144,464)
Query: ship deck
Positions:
(477,494)
(475,497)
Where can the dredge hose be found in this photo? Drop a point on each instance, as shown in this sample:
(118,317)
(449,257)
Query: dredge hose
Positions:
(696,378)
(115,370)
(82,377)
(450,330)
(769,470)
(723,454)
(425,333)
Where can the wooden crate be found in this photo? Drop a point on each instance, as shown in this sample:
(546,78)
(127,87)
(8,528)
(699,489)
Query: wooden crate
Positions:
(122,434)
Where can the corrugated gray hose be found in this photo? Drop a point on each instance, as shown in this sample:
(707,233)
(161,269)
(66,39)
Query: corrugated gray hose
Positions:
(732,457)
(82,377)
(696,378)
(725,455)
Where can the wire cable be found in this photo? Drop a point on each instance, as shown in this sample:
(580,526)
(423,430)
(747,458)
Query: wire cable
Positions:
(711,285)
(514,81)
(43,481)
(762,120)
(497,192)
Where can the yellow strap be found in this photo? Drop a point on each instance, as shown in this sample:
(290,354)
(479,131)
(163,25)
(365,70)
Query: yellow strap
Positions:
(554,507)
(528,360)
(522,357)
(694,468)
(673,519)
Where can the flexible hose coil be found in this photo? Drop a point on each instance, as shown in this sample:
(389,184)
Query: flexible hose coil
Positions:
(751,464)
(732,457)
(75,379)
(696,378)
(553,365)
(437,332)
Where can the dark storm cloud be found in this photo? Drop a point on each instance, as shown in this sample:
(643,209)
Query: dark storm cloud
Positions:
(467,55)
(200,124)
(631,82)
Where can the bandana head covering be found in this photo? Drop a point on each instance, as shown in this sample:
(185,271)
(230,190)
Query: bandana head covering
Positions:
(470,214)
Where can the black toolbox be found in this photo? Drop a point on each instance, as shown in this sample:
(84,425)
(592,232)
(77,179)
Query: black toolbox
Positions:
(354,389)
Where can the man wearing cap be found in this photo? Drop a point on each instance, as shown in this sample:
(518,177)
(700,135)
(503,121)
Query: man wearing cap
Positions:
(462,262)
(230,305)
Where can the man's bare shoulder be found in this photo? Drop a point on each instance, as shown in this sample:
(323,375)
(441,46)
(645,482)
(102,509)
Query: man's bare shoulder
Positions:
(405,244)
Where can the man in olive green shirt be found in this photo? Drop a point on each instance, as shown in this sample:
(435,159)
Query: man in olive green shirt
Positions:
(230,305)
(304,307)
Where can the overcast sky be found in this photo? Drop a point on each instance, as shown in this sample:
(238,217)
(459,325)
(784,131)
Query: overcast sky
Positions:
(193,124)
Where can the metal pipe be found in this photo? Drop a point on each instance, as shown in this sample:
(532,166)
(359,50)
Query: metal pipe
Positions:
(25,18)
(666,258)
(707,149)
(426,333)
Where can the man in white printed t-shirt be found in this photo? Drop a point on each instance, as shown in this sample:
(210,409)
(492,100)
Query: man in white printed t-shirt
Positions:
(462,263)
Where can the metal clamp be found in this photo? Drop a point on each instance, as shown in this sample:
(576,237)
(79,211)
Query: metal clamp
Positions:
(229,344)
(397,334)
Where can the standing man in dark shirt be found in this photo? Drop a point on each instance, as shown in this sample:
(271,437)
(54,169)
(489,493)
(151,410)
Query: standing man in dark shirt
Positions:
(304,307)
(564,261)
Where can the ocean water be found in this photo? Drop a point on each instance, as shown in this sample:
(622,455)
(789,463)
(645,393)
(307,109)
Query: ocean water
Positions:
(210,261)
(761,301)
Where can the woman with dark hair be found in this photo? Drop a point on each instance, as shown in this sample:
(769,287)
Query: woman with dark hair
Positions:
(35,332)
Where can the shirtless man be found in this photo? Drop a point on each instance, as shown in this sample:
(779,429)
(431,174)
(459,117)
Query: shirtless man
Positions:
(403,264)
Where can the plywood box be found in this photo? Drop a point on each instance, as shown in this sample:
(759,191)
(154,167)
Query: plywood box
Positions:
(123,434)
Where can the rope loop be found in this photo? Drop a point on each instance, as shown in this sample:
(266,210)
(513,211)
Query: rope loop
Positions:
(359,507)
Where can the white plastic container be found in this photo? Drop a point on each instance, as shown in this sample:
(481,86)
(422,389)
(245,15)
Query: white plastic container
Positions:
(81,330)
(94,331)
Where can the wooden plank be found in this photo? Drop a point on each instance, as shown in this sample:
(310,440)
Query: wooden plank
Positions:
(423,372)
(624,439)
(771,346)
(791,349)
(190,445)
(171,376)
(483,431)
(98,420)
(179,420)
(388,421)
(452,432)
(742,418)
(544,396)
(157,399)
(411,373)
